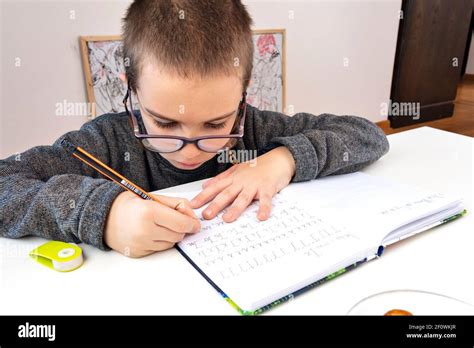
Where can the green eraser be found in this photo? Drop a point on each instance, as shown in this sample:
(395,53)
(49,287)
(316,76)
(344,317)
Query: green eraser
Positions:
(60,256)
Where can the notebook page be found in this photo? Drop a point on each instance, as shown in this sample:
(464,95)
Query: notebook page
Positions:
(315,228)
(374,204)
(255,262)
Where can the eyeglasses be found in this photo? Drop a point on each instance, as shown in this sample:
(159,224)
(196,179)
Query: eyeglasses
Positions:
(171,143)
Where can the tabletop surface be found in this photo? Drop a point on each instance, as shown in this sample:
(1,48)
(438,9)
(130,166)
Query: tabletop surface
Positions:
(439,260)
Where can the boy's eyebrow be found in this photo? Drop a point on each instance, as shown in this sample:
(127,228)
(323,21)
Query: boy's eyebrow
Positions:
(153,113)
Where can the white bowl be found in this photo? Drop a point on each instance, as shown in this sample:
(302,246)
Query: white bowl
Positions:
(417,302)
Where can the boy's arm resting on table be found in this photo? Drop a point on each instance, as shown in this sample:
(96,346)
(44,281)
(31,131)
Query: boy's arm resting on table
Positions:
(321,145)
(46,192)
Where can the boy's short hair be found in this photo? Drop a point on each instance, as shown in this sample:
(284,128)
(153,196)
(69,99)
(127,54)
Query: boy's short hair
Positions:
(188,37)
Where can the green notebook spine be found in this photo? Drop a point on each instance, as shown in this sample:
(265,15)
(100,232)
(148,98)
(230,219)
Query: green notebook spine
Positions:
(298,292)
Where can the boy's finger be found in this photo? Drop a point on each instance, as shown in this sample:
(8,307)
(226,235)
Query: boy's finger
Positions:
(160,233)
(219,177)
(209,193)
(155,233)
(243,200)
(180,204)
(185,208)
(175,220)
(265,205)
(221,201)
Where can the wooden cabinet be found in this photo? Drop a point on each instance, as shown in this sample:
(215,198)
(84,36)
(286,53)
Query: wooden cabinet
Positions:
(432,40)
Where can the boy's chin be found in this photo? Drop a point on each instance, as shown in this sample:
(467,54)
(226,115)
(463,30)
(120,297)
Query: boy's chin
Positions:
(186,165)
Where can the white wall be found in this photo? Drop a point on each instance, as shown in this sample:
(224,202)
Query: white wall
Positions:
(46,39)
(321,34)
(319,38)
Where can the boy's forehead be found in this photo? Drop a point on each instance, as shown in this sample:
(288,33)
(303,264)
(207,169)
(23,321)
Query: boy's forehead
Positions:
(154,76)
(171,95)
(155,82)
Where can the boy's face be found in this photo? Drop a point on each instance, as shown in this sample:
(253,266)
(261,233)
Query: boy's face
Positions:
(171,105)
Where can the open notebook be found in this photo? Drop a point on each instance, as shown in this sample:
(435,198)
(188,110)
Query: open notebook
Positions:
(317,230)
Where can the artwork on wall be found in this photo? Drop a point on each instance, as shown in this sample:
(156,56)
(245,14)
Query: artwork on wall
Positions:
(103,62)
(102,58)
(267,90)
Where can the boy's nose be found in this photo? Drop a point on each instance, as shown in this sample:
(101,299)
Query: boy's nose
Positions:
(190,151)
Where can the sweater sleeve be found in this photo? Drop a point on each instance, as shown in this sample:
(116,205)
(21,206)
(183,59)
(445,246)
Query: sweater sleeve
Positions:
(46,192)
(321,145)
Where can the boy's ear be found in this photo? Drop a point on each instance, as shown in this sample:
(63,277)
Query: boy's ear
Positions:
(123,77)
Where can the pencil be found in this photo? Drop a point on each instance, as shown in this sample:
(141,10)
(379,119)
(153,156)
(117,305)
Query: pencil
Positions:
(108,172)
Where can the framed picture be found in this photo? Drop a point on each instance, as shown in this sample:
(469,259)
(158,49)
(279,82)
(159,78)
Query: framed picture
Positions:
(102,59)
(103,62)
(267,88)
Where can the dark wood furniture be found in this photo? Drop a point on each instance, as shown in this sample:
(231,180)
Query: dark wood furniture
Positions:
(431,46)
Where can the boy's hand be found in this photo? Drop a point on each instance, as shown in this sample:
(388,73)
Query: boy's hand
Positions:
(136,227)
(242,183)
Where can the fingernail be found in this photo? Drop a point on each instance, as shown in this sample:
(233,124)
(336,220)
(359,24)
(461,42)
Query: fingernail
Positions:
(230,216)
(207,212)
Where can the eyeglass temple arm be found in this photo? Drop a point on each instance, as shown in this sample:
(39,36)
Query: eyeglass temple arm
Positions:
(243,111)
(133,119)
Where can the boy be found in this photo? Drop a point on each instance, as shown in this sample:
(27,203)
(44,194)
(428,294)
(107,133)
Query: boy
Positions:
(188,66)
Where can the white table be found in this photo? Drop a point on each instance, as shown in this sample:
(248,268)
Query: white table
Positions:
(440,260)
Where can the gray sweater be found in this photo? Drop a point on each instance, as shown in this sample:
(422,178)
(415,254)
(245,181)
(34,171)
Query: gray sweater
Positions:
(48,193)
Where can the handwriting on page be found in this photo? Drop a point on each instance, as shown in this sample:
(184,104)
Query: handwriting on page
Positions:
(247,244)
(413,204)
